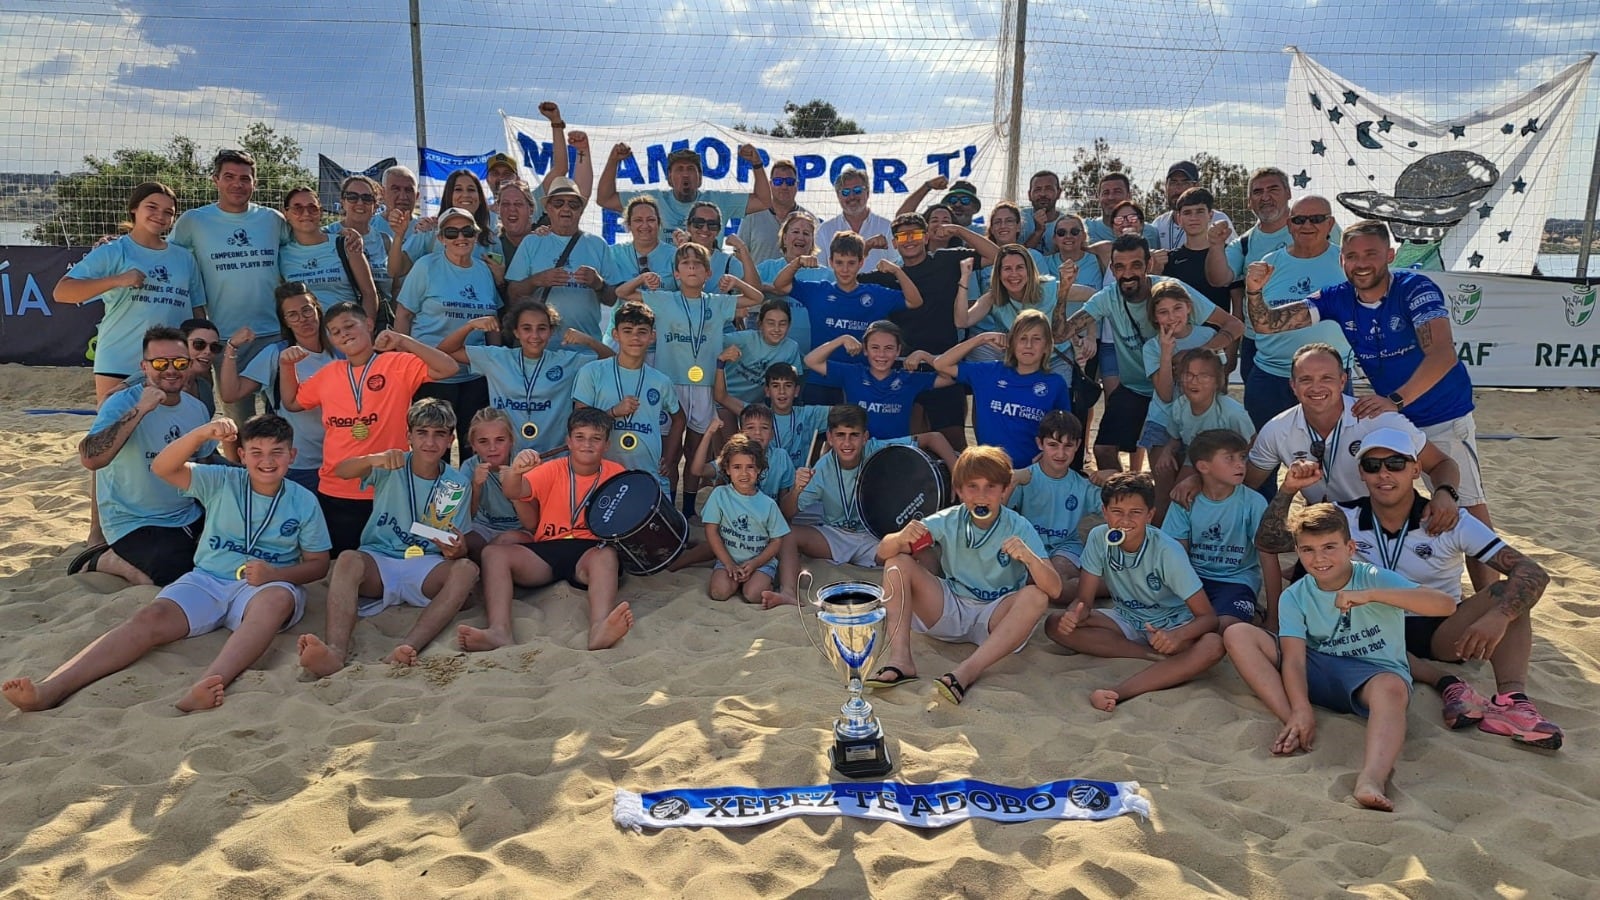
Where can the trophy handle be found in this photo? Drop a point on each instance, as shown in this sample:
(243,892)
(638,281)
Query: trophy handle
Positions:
(905,602)
(803,600)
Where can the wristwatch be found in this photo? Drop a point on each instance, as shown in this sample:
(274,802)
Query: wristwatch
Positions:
(1447,489)
(1398,401)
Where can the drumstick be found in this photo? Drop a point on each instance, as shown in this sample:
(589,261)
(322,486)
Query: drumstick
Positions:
(811,447)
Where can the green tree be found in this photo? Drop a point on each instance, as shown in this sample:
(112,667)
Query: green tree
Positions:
(1089,165)
(816,119)
(93,203)
(1228,182)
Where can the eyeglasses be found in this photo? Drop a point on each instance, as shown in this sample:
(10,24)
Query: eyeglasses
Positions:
(353,197)
(1130,217)
(467,231)
(905,237)
(198,345)
(784,181)
(563,203)
(303,313)
(704,223)
(1317,219)
(1395,463)
(304,208)
(960,201)
(1068,232)
(856,191)
(160,363)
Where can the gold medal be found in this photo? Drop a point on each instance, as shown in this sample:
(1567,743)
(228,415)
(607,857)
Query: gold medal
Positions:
(359,431)
(696,374)
(628,441)
(529,431)
(239,572)
(413,552)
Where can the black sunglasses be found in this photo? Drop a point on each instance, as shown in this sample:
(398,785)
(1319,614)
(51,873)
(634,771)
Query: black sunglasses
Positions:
(783,181)
(1068,232)
(704,223)
(216,346)
(1395,463)
(1317,219)
(353,197)
(451,234)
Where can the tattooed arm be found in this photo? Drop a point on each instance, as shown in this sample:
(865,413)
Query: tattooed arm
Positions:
(99,448)
(1274,534)
(1269,319)
(1065,328)
(1524,584)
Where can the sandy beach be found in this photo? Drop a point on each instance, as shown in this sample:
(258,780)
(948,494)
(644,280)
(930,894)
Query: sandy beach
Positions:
(492,774)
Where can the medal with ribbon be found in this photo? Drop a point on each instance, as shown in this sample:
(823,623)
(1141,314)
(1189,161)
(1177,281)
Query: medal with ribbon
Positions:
(529,387)
(253,535)
(358,385)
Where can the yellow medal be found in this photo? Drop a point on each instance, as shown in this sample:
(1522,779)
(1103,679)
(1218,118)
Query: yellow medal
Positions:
(413,552)
(359,431)
(696,374)
(628,441)
(239,573)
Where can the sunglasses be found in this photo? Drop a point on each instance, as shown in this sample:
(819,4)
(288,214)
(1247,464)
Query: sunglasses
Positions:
(563,203)
(467,231)
(1317,219)
(160,363)
(908,236)
(704,223)
(216,346)
(1127,218)
(856,191)
(785,181)
(304,208)
(1068,232)
(353,197)
(959,201)
(1395,463)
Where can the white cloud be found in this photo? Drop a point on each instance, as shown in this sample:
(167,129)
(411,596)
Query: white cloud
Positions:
(780,77)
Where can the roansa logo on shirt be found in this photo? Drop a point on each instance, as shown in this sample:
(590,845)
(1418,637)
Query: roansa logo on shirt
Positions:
(370,419)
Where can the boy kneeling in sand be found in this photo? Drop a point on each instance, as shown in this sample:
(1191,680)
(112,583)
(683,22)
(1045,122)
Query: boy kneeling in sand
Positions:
(996,586)
(1341,645)
(392,566)
(263,538)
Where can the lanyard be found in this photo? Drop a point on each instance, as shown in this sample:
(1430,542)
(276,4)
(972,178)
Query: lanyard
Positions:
(529,384)
(358,385)
(1119,560)
(1320,447)
(576,508)
(411,489)
(253,536)
(968,529)
(852,503)
(697,335)
(1389,553)
(638,389)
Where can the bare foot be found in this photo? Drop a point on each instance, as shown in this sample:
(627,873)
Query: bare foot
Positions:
(24,695)
(206,694)
(1370,795)
(480,638)
(403,655)
(775,599)
(1103,700)
(612,628)
(318,658)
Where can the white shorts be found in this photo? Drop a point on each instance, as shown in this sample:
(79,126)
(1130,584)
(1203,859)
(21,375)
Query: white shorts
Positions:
(1070,556)
(402,582)
(1129,630)
(964,621)
(210,602)
(698,407)
(857,548)
(1458,439)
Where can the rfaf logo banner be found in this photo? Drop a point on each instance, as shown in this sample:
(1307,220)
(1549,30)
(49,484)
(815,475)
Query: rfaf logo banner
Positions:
(1464,303)
(1579,302)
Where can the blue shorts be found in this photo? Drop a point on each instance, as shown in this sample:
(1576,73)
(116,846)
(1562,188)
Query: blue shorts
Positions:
(770,569)
(1332,681)
(1230,598)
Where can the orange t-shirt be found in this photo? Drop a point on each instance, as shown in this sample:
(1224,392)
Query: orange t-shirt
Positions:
(390,381)
(556,493)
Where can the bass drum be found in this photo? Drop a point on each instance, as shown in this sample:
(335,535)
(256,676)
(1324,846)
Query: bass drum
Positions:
(630,512)
(900,483)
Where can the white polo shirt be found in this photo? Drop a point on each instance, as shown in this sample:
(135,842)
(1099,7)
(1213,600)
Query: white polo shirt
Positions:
(1287,437)
(1431,560)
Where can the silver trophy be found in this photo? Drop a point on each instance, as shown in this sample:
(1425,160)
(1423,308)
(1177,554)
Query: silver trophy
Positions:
(855,636)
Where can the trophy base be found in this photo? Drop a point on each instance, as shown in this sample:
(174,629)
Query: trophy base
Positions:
(861,757)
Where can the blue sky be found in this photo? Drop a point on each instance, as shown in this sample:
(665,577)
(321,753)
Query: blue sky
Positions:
(1161,80)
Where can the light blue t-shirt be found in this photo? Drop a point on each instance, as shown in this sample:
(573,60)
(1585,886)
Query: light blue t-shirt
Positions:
(834,486)
(319,266)
(278,531)
(1261,243)
(1130,328)
(660,261)
(794,430)
(1056,506)
(1003,316)
(307,423)
(128,494)
(1089,273)
(1148,587)
(1294,279)
(1158,413)
(375,245)
(689,332)
(400,498)
(1374,632)
(745,376)
(636,440)
(723,263)
(1224,412)
(799,319)
(975,567)
(675,214)
(443,297)
(171,292)
(495,511)
(533,392)
(746,524)
(778,476)
(1221,535)
(237,254)
(578,304)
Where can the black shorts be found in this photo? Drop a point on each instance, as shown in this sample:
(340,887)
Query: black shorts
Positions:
(346,519)
(562,557)
(164,554)
(945,407)
(1124,419)
(466,398)
(1419,636)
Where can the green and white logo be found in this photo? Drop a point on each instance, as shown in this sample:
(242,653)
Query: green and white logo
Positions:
(1580,304)
(1464,303)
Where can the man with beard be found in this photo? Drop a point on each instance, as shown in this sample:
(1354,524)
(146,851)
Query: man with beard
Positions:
(1225,263)
(759,229)
(685,173)
(566,269)
(854,190)
(1044,190)
(1115,189)
(1181,177)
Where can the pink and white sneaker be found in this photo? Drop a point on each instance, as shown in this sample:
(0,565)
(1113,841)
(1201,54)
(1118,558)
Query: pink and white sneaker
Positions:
(1463,706)
(1515,716)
